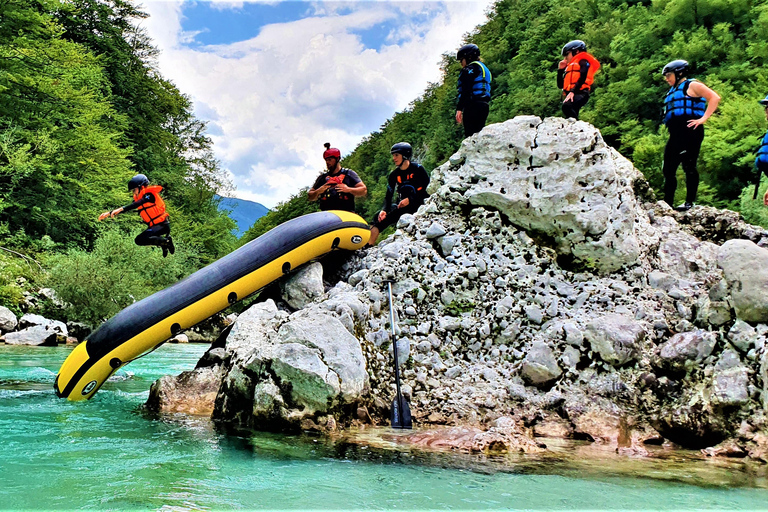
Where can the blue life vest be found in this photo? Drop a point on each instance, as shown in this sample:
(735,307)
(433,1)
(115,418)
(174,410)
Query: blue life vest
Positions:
(677,103)
(481,84)
(762,152)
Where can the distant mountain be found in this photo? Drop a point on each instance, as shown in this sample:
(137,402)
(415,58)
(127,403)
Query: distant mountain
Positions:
(243,212)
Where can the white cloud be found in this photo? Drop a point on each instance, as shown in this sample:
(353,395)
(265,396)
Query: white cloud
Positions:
(276,98)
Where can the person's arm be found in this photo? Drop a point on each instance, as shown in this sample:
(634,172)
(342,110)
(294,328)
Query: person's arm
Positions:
(317,189)
(699,90)
(561,73)
(146,198)
(391,184)
(357,188)
(465,93)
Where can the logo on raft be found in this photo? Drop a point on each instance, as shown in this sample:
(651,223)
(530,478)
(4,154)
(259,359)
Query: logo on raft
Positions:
(88,388)
(357,239)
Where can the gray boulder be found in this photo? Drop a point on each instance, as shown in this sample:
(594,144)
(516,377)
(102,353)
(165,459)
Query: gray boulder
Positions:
(303,287)
(556,177)
(8,321)
(37,335)
(540,365)
(730,381)
(742,335)
(617,338)
(192,392)
(686,348)
(745,266)
(30,320)
(320,358)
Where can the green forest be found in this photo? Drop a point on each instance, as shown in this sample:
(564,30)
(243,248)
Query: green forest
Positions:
(83,108)
(725,41)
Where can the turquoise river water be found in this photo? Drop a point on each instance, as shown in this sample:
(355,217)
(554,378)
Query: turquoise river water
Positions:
(109,454)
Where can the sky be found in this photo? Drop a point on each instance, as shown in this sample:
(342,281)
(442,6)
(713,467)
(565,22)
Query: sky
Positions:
(276,80)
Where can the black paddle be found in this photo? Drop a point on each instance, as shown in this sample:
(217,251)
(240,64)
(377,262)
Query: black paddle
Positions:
(401,411)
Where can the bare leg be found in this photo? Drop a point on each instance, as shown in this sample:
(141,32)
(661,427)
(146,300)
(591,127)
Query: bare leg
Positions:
(374,236)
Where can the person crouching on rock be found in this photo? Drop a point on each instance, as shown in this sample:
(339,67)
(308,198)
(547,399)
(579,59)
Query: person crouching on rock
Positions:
(151,207)
(410,180)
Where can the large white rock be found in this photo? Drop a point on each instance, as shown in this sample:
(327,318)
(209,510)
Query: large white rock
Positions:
(37,335)
(556,177)
(745,266)
(8,320)
(320,358)
(303,287)
(31,320)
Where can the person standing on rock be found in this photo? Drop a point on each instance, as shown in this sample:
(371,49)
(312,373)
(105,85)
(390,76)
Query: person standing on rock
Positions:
(474,88)
(151,208)
(575,74)
(761,161)
(337,188)
(687,106)
(410,180)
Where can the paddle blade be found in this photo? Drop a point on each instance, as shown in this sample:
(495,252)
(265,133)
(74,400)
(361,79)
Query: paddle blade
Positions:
(401,419)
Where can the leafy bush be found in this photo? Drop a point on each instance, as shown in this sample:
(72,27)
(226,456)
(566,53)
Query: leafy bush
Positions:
(96,285)
(18,273)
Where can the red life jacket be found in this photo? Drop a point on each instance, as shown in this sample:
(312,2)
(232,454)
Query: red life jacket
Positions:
(151,213)
(572,72)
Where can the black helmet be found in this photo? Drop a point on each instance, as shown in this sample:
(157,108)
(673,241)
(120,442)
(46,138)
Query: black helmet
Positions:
(575,46)
(468,51)
(138,181)
(402,148)
(678,67)
(764,102)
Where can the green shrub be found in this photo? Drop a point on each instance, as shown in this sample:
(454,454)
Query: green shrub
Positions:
(96,285)
(18,274)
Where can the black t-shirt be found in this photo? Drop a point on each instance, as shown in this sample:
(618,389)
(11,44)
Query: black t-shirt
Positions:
(332,199)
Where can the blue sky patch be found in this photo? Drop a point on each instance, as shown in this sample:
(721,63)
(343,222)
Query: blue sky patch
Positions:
(217,26)
(224,26)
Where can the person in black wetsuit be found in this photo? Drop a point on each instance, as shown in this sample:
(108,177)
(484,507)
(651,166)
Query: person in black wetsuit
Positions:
(575,74)
(687,106)
(761,160)
(151,208)
(410,180)
(474,89)
(337,188)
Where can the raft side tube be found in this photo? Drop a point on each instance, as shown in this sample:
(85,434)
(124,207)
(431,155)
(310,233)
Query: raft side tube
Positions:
(144,325)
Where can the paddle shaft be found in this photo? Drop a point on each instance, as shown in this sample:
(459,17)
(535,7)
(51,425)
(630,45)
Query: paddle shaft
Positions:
(399,399)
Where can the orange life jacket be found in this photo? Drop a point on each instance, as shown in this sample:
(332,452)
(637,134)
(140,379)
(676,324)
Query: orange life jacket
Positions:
(572,72)
(151,213)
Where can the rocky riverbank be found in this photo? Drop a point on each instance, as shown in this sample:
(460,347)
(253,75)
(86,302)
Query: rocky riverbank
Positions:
(540,292)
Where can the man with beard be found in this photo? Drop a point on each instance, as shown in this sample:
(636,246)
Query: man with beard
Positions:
(337,188)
